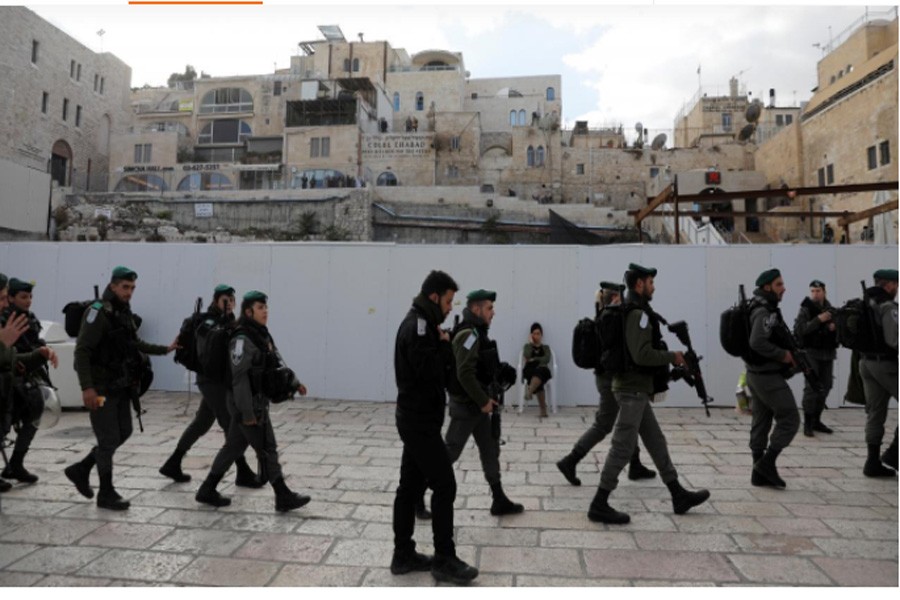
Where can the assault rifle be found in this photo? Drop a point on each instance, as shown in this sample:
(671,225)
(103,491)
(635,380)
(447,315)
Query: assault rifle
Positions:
(802,360)
(691,372)
(504,378)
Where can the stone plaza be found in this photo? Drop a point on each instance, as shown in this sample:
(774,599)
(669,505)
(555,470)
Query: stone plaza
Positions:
(831,527)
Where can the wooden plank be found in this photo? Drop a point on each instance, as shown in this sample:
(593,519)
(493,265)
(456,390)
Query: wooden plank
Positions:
(869,212)
(661,198)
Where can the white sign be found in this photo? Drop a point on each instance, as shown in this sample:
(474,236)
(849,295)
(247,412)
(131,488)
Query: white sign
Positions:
(203,210)
(396,145)
(103,212)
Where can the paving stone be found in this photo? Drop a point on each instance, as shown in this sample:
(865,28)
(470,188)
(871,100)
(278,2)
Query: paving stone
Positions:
(651,564)
(782,570)
(285,548)
(206,570)
(332,527)
(676,542)
(126,535)
(186,518)
(254,522)
(11,579)
(859,573)
(795,526)
(156,567)
(534,561)
(585,539)
(10,553)
(822,511)
(382,577)
(543,581)
(31,508)
(57,559)
(135,514)
(749,509)
(873,530)
(855,548)
(70,581)
(320,576)
(361,553)
(63,532)
(201,541)
(776,544)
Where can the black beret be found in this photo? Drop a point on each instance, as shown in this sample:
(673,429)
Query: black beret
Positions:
(815,283)
(645,271)
(886,274)
(613,287)
(17,285)
(767,277)
(478,295)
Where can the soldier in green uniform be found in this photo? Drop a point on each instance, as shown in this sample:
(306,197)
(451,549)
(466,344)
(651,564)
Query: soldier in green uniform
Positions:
(477,363)
(879,373)
(816,332)
(610,294)
(10,358)
(258,377)
(769,364)
(212,405)
(108,362)
(27,399)
(634,388)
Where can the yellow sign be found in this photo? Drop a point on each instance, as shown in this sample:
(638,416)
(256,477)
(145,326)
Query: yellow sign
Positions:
(185,106)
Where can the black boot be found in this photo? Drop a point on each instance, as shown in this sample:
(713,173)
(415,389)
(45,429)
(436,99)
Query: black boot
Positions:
(16,470)
(422,511)
(5,486)
(245,475)
(207,493)
(107,497)
(890,455)
(172,468)
(765,466)
(683,500)
(755,478)
(407,562)
(601,512)
(285,499)
(80,475)
(638,471)
(819,426)
(452,570)
(568,463)
(501,504)
(808,420)
(873,466)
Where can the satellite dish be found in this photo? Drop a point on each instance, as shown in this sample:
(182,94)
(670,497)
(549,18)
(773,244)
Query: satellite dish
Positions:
(639,127)
(659,142)
(753,112)
(746,132)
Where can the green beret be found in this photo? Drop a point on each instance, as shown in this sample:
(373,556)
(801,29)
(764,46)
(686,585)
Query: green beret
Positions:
(121,272)
(815,283)
(3,280)
(613,287)
(767,277)
(223,289)
(17,285)
(255,296)
(642,270)
(886,274)
(478,295)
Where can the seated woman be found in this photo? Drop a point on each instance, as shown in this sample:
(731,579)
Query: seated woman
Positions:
(536,371)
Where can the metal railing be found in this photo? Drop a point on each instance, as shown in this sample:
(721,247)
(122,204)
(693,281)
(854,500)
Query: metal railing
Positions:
(866,18)
(706,234)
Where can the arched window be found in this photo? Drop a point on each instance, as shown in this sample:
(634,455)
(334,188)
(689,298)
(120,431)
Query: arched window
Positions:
(226,100)
(551,94)
(387,178)
(530,155)
(512,118)
(141,183)
(522,117)
(224,131)
(355,64)
(205,182)
(539,158)
(347,64)
(420,101)
(396,101)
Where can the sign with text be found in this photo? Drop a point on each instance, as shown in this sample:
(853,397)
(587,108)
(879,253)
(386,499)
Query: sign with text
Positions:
(203,210)
(396,145)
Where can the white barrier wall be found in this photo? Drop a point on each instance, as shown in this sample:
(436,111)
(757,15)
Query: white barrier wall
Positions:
(335,308)
(24,198)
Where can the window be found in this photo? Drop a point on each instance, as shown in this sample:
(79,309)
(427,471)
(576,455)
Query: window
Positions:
(102,83)
(141,183)
(225,131)
(226,100)
(829,174)
(522,117)
(539,157)
(779,120)
(346,64)
(314,147)
(579,169)
(205,181)
(142,153)
(452,171)
(885,148)
(355,64)
(326,146)
(654,171)
(35,45)
(529,156)
(78,116)
(454,142)
(387,178)
(72,70)
(512,118)
(726,121)
(821,177)
(396,101)
(788,119)
(45,100)
(319,147)
(65,114)
(420,101)
(276,91)
(96,81)
(474,95)
(551,94)
(78,73)
(873,157)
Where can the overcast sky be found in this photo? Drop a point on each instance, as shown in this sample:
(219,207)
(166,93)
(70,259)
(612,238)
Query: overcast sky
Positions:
(619,64)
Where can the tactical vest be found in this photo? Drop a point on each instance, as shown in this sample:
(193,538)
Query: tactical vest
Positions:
(269,376)
(821,338)
(657,342)
(488,362)
(118,352)
(779,334)
(877,296)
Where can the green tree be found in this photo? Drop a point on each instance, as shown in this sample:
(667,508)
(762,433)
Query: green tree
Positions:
(189,75)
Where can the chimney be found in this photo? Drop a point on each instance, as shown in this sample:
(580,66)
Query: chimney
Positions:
(733,87)
(771,97)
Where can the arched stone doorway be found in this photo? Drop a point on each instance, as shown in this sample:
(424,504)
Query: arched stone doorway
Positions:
(61,162)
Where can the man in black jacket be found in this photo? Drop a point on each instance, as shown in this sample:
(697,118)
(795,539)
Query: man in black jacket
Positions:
(422,361)
(815,330)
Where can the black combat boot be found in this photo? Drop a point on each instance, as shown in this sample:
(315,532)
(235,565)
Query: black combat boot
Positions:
(638,471)
(107,497)
(873,466)
(245,475)
(422,511)
(890,455)
(808,420)
(765,466)
(819,426)
(409,561)
(452,570)
(285,499)
(80,475)
(601,512)
(501,504)
(16,470)
(683,500)
(755,478)
(5,486)
(207,493)
(568,463)
(172,468)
